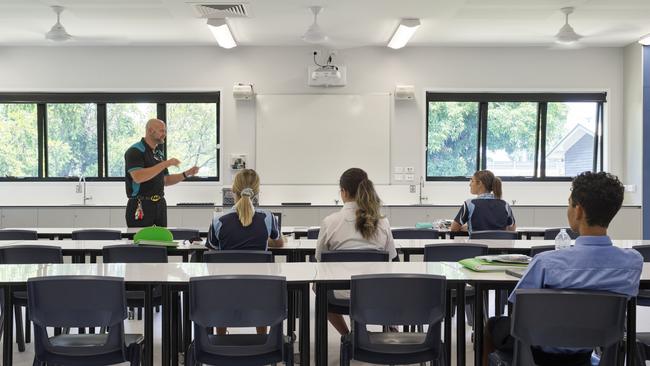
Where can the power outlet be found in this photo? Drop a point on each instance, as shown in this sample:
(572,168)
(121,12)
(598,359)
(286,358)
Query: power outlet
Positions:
(412,188)
(409,177)
(398,177)
(78,188)
(409,169)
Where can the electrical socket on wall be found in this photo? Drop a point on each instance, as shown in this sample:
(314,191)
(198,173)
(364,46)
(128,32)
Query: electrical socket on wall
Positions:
(412,188)
(409,169)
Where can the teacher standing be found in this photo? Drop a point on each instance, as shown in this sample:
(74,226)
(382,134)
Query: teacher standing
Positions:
(146,176)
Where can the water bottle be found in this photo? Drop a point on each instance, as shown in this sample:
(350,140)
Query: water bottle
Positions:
(562,240)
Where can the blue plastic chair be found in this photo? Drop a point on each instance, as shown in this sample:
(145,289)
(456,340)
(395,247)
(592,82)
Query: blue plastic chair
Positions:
(540,249)
(412,299)
(238,256)
(27,254)
(234,301)
(89,301)
(313,233)
(415,233)
(96,234)
(495,234)
(550,234)
(16,234)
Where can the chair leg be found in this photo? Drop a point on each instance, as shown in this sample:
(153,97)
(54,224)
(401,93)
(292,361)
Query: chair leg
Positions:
(28,327)
(189,356)
(139,313)
(20,337)
(346,352)
(288,353)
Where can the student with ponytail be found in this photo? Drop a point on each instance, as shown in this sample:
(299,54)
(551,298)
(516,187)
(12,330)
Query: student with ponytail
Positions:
(359,225)
(244,227)
(487,211)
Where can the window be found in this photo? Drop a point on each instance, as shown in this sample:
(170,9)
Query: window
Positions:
(519,136)
(60,136)
(72,140)
(511,132)
(452,138)
(192,136)
(125,125)
(18,140)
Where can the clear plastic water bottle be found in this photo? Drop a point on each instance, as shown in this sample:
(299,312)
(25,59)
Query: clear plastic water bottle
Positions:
(562,240)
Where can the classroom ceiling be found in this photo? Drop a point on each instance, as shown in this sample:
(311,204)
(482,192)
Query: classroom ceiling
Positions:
(348,23)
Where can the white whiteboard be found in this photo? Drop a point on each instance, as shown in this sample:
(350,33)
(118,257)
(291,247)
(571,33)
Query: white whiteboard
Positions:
(313,138)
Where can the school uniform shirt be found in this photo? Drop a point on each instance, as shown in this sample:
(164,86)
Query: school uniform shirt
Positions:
(338,232)
(485,213)
(227,233)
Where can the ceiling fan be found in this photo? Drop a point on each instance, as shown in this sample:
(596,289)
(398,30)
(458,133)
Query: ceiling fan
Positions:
(567,35)
(58,32)
(314,33)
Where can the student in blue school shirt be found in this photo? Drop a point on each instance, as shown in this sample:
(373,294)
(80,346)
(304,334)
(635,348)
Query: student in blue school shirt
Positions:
(244,227)
(593,263)
(487,211)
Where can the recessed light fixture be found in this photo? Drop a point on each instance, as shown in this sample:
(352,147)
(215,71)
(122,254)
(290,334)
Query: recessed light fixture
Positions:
(221,33)
(404,32)
(645,40)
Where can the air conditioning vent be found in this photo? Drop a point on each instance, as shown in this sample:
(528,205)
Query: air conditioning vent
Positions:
(220,10)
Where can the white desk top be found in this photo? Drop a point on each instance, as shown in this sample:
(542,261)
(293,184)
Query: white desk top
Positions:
(496,244)
(69,230)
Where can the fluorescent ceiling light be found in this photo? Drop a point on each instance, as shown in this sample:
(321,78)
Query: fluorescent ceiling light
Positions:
(221,33)
(645,40)
(404,32)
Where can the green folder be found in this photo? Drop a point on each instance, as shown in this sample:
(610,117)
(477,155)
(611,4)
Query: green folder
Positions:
(480,265)
(155,235)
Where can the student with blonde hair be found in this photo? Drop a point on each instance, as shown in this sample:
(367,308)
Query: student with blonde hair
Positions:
(359,225)
(487,211)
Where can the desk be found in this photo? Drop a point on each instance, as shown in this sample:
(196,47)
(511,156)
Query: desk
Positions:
(144,276)
(54,233)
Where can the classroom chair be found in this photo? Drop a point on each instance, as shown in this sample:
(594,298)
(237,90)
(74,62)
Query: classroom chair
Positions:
(241,307)
(185,234)
(26,254)
(387,299)
(313,233)
(96,234)
(495,234)
(540,248)
(16,234)
(560,318)
(415,233)
(238,256)
(339,301)
(550,234)
(89,301)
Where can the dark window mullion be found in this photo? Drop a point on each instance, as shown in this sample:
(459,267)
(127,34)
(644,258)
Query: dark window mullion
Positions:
(162,115)
(483,129)
(601,107)
(596,144)
(41,111)
(219,142)
(537,134)
(543,111)
(102,161)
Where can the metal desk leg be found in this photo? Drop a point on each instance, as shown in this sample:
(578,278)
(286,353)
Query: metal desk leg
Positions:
(7,328)
(305,357)
(407,256)
(321,324)
(630,339)
(174,339)
(448,323)
(478,323)
(291,318)
(148,326)
(187,324)
(460,325)
(166,317)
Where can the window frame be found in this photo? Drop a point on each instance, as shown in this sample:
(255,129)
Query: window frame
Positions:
(482,99)
(100,100)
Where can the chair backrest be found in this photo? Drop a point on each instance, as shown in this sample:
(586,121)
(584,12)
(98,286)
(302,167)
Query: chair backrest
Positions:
(238,256)
(30,254)
(155,233)
(495,234)
(96,234)
(313,233)
(129,253)
(185,234)
(415,233)
(388,299)
(550,234)
(237,301)
(77,301)
(644,250)
(571,319)
(354,256)
(453,252)
(540,248)
(14,234)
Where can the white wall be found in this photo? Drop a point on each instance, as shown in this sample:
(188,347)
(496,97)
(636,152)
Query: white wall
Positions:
(283,70)
(633,118)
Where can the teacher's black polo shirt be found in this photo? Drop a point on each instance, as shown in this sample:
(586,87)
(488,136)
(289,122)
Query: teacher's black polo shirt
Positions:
(139,156)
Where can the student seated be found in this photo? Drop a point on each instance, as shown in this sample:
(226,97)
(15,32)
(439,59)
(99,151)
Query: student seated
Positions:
(359,225)
(487,211)
(244,227)
(592,264)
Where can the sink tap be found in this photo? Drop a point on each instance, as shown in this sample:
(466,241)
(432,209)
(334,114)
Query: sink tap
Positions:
(81,188)
(422,198)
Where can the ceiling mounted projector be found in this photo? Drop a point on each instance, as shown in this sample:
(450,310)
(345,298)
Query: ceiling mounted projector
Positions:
(314,33)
